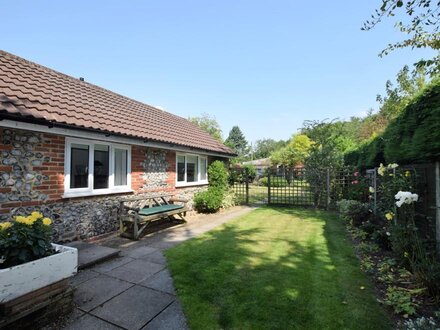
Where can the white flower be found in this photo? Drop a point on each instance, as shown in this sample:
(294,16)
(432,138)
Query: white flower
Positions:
(405,197)
(371,190)
(392,166)
(415,197)
(388,233)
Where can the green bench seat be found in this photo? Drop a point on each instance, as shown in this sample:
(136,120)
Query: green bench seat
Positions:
(136,213)
(159,209)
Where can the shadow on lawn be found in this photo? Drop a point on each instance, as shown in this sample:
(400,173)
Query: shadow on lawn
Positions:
(248,278)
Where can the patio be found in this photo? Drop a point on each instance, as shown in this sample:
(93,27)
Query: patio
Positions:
(135,290)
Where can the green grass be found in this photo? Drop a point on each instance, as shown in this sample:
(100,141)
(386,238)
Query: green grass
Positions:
(275,268)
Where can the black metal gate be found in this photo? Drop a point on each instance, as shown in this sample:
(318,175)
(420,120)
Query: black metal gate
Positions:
(319,188)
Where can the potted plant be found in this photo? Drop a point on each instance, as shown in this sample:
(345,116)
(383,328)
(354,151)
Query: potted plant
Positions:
(28,261)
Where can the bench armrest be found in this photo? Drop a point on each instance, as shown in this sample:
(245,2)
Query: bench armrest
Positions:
(179,200)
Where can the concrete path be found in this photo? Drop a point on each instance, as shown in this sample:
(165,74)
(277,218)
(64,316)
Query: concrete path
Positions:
(135,290)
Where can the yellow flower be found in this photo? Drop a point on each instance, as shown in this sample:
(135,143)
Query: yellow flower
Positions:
(381,170)
(407,173)
(389,216)
(371,190)
(25,220)
(47,221)
(5,225)
(21,219)
(36,215)
(405,254)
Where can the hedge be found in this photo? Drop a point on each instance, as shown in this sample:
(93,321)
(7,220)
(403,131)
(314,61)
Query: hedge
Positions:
(413,137)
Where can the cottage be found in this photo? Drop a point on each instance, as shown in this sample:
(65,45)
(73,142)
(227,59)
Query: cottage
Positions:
(73,149)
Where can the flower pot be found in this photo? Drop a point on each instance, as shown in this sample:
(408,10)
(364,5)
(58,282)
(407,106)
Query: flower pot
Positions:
(22,279)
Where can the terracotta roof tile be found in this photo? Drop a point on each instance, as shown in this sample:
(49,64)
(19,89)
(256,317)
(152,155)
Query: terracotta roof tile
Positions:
(31,90)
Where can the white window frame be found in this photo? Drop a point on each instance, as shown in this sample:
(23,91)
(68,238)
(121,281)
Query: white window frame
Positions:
(89,191)
(199,181)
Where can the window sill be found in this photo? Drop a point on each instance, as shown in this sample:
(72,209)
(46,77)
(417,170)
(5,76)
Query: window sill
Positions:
(190,184)
(96,193)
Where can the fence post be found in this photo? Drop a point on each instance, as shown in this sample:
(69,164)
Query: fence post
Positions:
(328,188)
(437,204)
(247,185)
(268,187)
(375,192)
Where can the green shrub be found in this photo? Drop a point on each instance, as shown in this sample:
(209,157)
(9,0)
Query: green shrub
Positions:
(250,171)
(278,182)
(353,211)
(209,201)
(275,181)
(25,239)
(263,181)
(401,300)
(218,175)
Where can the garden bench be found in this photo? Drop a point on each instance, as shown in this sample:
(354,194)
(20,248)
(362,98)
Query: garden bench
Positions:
(136,213)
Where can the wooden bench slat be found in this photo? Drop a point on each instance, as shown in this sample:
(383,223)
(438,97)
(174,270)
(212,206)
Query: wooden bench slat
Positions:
(159,209)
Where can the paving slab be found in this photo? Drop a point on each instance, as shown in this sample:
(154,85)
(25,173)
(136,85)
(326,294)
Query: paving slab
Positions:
(139,252)
(98,290)
(82,276)
(90,254)
(161,281)
(156,257)
(87,322)
(105,267)
(133,308)
(171,318)
(136,271)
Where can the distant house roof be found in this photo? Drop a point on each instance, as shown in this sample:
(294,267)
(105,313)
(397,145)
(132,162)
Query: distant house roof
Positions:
(31,91)
(259,162)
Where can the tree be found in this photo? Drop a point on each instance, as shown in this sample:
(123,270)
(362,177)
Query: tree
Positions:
(208,124)
(325,153)
(265,147)
(329,143)
(237,142)
(397,98)
(294,153)
(420,24)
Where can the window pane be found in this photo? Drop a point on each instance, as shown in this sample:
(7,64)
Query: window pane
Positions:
(191,168)
(79,166)
(120,167)
(180,168)
(203,166)
(101,167)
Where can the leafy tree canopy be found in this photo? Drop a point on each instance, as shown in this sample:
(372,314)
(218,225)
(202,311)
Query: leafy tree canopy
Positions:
(237,142)
(294,153)
(264,147)
(418,20)
(209,124)
(328,144)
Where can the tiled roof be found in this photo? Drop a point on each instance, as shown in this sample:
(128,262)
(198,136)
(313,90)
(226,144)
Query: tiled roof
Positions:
(34,91)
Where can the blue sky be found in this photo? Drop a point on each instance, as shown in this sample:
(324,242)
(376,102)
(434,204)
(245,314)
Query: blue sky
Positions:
(265,66)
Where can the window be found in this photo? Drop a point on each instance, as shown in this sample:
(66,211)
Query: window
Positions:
(191,169)
(94,168)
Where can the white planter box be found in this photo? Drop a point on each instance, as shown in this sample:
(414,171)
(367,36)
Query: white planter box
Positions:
(19,280)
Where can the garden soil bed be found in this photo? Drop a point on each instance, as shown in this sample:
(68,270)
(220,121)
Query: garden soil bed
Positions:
(427,305)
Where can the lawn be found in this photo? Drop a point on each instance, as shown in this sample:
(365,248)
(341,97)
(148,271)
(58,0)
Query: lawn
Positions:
(275,268)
